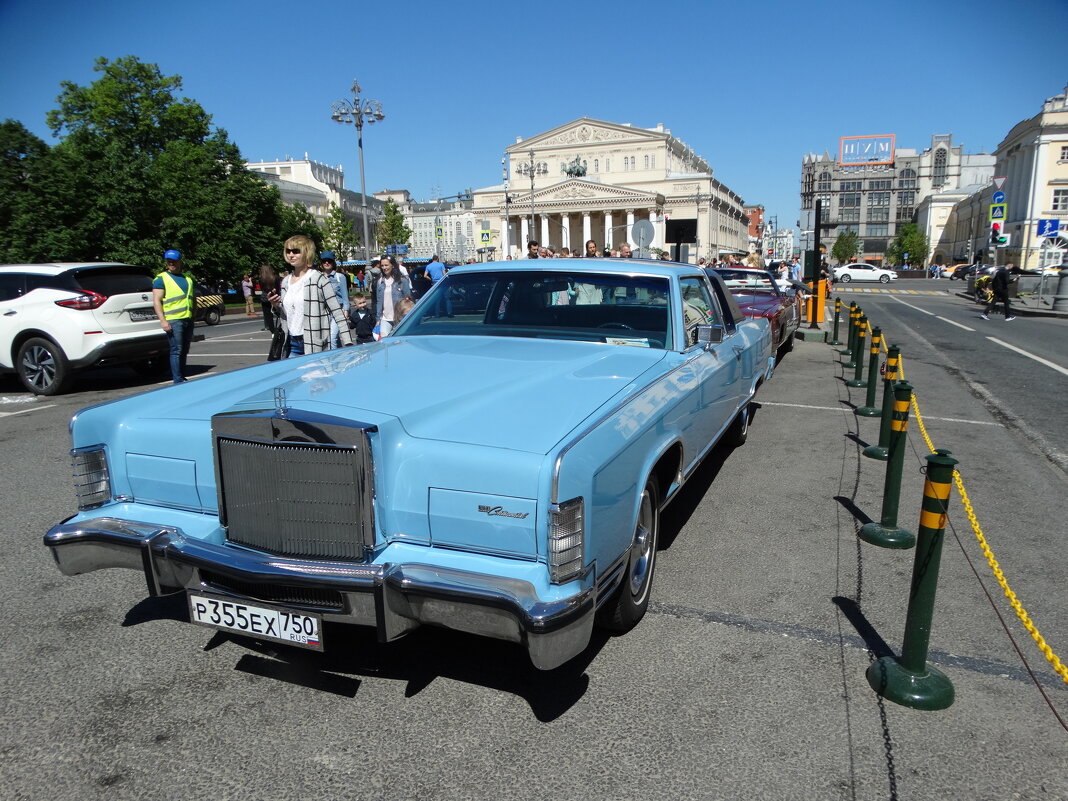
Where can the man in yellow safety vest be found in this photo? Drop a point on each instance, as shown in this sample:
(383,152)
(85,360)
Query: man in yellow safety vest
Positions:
(172,296)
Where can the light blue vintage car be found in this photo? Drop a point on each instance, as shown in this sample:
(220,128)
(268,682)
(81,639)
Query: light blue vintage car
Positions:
(497,465)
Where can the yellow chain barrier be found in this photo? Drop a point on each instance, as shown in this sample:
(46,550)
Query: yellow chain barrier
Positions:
(1021,613)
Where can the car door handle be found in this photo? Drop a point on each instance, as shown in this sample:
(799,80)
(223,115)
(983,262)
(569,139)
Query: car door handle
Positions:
(10,312)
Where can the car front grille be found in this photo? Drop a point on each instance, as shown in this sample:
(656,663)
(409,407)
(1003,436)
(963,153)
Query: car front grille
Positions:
(301,499)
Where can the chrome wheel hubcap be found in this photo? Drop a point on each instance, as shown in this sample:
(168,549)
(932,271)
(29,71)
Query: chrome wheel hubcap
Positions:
(39,367)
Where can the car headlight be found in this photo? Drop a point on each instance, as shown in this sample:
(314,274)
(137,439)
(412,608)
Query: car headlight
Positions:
(566,540)
(92,482)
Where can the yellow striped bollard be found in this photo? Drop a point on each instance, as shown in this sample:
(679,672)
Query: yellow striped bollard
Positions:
(908,680)
(854,312)
(858,356)
(837,313)
(886,533)
(869,409)
(881,450)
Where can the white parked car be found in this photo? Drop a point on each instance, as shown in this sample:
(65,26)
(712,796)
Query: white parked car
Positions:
(56,319)
(863,272)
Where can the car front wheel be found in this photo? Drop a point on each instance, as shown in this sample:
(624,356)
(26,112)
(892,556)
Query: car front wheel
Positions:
(42,367)
(631,600)
(884,279)
(212,317)
(845,278)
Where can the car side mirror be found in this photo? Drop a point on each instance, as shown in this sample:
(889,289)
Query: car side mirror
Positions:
(710,334)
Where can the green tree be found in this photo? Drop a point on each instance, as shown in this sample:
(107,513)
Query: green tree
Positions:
(909,240)
(139,170)
(296,219)
(20,156)
(339,234)
(392,230)
(846,246)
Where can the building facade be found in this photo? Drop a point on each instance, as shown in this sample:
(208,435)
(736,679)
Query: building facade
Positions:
(756,224)
(874,199)
(591,179)
(315,186)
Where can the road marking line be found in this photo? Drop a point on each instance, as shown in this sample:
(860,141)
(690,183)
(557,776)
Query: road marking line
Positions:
(846,409)
(24,411)
(1022,352)
(917,308)
(951,322)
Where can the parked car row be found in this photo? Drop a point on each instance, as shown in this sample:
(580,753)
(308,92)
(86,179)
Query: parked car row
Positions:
(499,471)
(760,293)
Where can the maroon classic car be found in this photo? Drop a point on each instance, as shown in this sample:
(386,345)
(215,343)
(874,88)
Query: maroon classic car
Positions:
(760,294)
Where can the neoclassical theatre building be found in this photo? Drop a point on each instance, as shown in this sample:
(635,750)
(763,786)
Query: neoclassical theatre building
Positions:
(591,179)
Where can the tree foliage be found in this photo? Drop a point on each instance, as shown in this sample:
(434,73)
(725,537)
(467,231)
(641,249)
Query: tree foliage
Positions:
(296,219)
(339,234)
(392,230)
(138,170)
(911,240)
(846,246)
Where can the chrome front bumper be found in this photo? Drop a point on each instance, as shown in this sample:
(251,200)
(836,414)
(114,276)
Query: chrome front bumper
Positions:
(394,598)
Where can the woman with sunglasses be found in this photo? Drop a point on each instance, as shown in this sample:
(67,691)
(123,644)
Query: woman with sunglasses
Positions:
(307,301)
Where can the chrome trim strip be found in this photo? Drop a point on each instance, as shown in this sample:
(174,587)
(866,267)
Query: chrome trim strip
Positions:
(394,598)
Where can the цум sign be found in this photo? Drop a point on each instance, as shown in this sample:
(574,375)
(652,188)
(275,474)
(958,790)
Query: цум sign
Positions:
(854,151)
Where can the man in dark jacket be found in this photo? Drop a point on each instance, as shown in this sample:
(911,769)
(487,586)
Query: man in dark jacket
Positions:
(999,285)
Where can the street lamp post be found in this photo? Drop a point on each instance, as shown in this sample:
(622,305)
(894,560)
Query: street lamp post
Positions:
(530,169)
(357,111)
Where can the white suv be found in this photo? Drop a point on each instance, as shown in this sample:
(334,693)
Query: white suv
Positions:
(858,271)
(56,319)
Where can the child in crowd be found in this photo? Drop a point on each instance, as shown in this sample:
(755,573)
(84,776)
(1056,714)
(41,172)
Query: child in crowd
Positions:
(362,318)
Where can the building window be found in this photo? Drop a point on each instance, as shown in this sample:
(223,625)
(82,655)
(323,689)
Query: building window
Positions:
(878,229)
(878,199)
(849,215)
(849,229)
(824,182)
(880,214)
(646,162)
(652,161)
(851,186)
(904,213)
(1064,152)
(938,174)
(906,199)
(906,179)
(878,185)
(1060,200)
(596,165)
(847,201)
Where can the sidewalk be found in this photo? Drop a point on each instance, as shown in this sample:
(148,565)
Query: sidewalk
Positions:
(803,606)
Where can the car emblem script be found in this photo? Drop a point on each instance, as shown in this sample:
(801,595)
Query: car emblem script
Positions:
(499,511)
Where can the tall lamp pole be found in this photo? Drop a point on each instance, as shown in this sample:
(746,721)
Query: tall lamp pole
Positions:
(530,169)
(357,111)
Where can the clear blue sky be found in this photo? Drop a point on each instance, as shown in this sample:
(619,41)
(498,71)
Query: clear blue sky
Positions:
(749,86)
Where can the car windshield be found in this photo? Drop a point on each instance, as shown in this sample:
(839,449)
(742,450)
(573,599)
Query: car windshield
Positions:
(748,279)
(588,307)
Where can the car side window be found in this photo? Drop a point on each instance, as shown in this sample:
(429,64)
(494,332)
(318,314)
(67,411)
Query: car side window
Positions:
(12,285)
(698,308)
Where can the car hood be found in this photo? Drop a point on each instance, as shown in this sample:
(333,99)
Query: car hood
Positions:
(758,302)
(522,394)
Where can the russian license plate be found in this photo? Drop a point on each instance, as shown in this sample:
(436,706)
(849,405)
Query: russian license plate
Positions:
(138,315)
(262,621)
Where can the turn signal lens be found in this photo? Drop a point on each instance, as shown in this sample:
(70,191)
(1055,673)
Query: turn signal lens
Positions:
(92,483)
(85,301)
(566,540)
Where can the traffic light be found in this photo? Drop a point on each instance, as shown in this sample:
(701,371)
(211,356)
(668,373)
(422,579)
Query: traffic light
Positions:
(997,237)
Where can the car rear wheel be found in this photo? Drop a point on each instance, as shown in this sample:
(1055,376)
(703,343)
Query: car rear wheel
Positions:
(631,600)
(212,317)
(738,433)
(42,367)
(845,278)
(884,279)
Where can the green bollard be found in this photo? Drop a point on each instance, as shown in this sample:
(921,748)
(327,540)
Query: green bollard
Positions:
(886,533)
(881,450)
(837,313)
(869,409)
(908,680)
(858,358)
(851,330)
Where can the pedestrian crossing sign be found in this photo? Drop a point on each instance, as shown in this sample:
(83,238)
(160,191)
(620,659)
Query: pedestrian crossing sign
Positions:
(485,237)
(438,232)
(997,212)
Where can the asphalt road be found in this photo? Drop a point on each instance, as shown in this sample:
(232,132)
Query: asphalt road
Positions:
(745,680)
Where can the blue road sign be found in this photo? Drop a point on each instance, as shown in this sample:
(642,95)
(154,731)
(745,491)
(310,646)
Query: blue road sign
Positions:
(1049,227)
(999,197)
